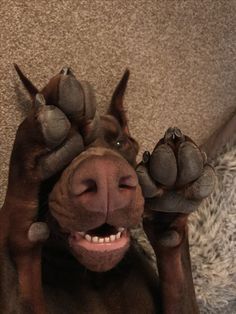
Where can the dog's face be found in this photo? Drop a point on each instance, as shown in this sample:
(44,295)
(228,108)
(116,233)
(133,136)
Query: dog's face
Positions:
(97,198)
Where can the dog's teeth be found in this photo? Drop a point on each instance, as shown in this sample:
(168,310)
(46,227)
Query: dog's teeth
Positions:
(88,237)
(118,235)
(112,238)
(95,239)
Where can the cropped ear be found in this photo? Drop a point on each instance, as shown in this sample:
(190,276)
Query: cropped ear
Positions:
(116,107)
(29,86)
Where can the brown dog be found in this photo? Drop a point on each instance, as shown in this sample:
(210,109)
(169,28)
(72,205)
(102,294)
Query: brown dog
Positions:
(72,175)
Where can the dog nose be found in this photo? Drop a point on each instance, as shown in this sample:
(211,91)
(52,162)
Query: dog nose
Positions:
(104,184)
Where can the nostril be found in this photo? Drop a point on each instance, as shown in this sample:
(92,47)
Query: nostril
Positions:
(85,187)
(91,186)
(128,183)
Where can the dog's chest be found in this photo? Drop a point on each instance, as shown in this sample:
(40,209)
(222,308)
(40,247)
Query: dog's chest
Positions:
(132,297)
(131,290)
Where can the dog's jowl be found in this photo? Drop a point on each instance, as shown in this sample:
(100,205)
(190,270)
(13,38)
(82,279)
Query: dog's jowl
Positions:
(74,193)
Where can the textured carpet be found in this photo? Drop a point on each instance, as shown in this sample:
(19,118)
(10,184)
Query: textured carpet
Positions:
(182,57)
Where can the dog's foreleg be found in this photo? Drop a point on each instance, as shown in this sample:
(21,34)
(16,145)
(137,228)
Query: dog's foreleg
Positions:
(174,180)
(169,239)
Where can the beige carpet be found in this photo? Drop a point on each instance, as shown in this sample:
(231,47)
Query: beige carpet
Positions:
(182,57)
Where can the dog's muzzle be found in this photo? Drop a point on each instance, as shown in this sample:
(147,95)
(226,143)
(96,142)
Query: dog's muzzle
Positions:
(96,201)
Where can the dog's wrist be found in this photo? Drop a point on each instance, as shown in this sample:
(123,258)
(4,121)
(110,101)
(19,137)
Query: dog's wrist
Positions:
(166,230)
(19,211)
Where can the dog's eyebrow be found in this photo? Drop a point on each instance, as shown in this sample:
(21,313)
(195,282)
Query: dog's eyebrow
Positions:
(111,125)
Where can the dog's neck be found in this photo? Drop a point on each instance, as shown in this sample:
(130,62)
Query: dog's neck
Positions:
(61,268)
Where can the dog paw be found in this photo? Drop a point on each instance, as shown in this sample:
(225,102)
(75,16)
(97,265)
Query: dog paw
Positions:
(55,126)
(62,144)
(66,71)
(175,177)
(75,98)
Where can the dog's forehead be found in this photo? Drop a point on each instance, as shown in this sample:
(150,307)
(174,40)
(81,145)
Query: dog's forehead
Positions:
(107,131)
(110,124)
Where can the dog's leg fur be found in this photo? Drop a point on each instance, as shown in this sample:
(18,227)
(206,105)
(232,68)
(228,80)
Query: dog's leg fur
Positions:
(169,239)
(175,178)
(17,215)
(34,157)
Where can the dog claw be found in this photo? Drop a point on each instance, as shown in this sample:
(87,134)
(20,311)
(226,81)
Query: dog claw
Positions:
(146,157)
(40,100)
(38,232)
(66,71)
(204,157)
(173,134)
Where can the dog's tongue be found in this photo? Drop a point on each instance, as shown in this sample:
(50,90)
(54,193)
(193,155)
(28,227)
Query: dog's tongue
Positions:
(99,256)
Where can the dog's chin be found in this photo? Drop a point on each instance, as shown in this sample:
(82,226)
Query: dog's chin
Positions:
(99,254)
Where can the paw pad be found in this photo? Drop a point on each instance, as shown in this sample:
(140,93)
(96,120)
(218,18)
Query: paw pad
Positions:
(175,177)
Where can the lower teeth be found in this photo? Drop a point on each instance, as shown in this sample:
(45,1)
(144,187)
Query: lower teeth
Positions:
(96,239)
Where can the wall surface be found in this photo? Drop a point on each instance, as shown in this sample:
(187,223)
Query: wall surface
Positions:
(182,57)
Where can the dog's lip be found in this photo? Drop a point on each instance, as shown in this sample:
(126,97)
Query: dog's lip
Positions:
(100,249)
(100,244)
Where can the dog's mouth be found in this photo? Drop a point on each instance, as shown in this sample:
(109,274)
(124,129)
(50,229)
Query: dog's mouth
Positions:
(100,249)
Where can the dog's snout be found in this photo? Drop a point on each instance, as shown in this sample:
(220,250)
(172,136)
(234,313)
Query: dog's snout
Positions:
(104,184)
